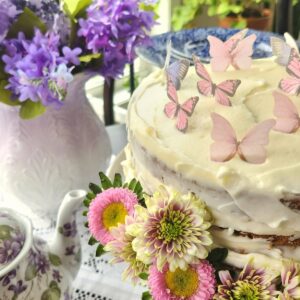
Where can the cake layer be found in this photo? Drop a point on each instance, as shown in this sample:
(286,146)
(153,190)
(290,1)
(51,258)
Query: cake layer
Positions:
(255,194)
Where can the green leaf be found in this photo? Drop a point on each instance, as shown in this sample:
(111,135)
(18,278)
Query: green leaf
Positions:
(105,181)
(74,7)
(87,202)
(30,110)
(86,224)
(132,184)
(144,276)
(89,57)
(95,188)
(100,250)
(53,285)
(90,196)
(5,232)
(146,296)
(117,180)
(53,293)
(30,272)
(5,95)
(54,260)
(92,241)
(138,188)
(26,23)
(85,213)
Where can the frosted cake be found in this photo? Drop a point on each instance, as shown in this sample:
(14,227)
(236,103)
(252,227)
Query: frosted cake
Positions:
(255,206)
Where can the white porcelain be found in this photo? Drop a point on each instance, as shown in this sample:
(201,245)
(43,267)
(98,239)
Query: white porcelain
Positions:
(32,269)
(43,158)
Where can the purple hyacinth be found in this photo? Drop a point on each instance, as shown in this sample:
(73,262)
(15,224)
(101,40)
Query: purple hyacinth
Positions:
(37,69)
(8,11)
(114,30)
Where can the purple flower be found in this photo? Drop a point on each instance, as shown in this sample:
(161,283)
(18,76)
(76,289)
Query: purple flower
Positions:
(40,261)
(8,12)
(114,30)
(69,229)
(70,250)
(56,276)
(17,288)
(72,55)
(11,248)
(37,69)
(6,279)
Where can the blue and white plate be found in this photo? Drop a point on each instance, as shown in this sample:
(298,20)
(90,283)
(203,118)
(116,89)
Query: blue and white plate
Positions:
(194,41)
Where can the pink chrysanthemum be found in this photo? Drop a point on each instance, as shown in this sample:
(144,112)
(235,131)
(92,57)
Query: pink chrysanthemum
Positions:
(197,282)
(290,278)
(109,209)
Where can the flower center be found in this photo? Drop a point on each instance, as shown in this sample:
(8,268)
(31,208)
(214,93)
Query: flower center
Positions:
(170,226)
(246,291)
(182,283)
(113,214)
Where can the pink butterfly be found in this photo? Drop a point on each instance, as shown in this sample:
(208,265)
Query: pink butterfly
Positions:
(221,91)
(236,51)
(250,148)
(180,111)
(291,85)
(288,119)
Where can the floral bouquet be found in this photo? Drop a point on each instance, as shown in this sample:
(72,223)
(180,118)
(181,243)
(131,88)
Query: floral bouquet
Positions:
(44,42)
(166,242)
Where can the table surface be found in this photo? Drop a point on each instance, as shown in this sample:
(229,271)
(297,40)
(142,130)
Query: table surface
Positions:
(97,278)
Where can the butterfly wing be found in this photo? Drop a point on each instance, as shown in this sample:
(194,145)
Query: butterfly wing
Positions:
(225,142)
(286,113)
(241,54)
(220,54)
(290,85)
(168,54)
(171,108)
(293,66)
(189,105)
(233,40)
(182,120)
(177,71)
(280,49)
(251,148)
(291,41)
(205,86)
(225,89)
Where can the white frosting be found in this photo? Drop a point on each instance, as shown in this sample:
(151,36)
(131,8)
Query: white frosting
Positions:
(255,189)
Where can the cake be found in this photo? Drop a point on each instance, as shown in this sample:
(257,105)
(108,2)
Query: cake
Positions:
(255,206)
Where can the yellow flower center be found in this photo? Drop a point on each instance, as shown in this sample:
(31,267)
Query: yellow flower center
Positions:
(182,283)
(113,214)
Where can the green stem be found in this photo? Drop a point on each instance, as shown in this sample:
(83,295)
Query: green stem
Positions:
(73,34)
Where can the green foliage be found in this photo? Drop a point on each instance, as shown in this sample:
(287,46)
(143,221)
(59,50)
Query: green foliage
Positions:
(217,256)
(5,232)
(5,95)
(189,9)
(100,250)
(26,23)
(144,276)
(30,272)
(146,296)
(75,7)
(89,57)
(30,110)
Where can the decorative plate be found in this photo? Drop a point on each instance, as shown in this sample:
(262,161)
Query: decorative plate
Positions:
(194,41)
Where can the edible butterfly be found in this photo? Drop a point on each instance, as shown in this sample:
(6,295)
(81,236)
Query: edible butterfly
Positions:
(236,51)
(291,85)
(250,148)
(206,87)
(174,109)
(288,120)
(282,49)
(177,70)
